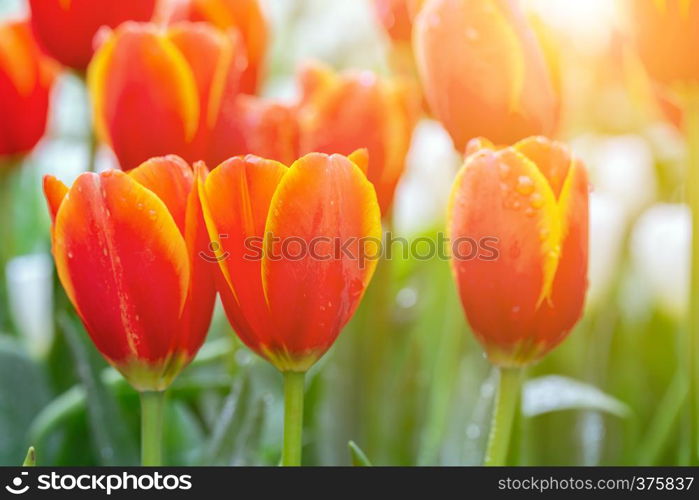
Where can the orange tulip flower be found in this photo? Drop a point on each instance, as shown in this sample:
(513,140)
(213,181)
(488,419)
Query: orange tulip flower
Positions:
(531,200)
(667,34)
(126,249)
(262,127)
(26,77)
(67,28)
(161,91)
(483,71)
(342,113)
(289,305)
(245,16)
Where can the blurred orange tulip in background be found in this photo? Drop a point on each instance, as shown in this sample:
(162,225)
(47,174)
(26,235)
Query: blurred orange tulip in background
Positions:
(344,112)
(265,127)
(483,71)
(291,310)
(26,77)
(667,37)
(160,91)
(396,16)
(66,28)
(126,249)
(533,199)
(245,16)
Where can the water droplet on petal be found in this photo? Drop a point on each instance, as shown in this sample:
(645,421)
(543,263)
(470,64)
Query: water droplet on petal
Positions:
(152,214)
(525,185)
(536,200)
(504,170)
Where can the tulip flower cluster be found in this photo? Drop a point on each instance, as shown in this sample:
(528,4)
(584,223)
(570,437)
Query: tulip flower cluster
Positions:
(207,166)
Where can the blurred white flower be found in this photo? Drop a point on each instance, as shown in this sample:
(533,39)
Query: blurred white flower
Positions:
(622,166)
(660,250)
(421,197)
(30,289)
(607,224)
(342,33)
(73,159)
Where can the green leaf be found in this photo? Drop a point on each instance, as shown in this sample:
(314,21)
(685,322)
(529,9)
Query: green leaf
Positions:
(556,393)
(23,392)
(113,441)
(30,459)
(359,458)
(221,447)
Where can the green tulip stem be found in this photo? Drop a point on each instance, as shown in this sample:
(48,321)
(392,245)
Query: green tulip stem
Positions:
(293,418)
(152,406)
(504,412)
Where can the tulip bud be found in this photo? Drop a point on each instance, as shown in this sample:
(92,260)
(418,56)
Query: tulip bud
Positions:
(127,249)
(343,113)
(483,71)
(525,208)
(26,77)
(184,79)
(286,286)
(66,28)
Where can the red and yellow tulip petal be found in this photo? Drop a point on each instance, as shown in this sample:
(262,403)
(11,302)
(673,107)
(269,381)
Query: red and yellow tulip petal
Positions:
(137,79)
(201,296)
(360,158)
(66,28)
(558,315)
(54,191)
(476,144)
(245,16)
(503,195)
(124,264)
(311,298)
(235,198)
(217,61)
(171,179)
(553,159)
